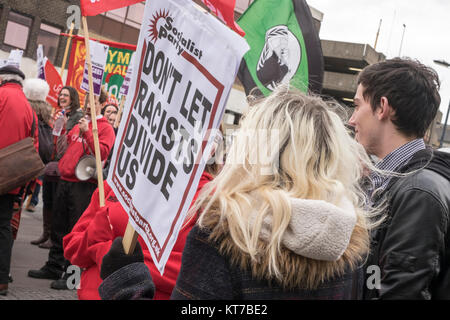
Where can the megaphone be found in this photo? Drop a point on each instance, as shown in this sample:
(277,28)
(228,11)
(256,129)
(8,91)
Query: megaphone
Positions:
(86,168)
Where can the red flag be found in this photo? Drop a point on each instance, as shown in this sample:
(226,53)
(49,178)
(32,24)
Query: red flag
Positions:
(224,10)
(55,83)
(95,7)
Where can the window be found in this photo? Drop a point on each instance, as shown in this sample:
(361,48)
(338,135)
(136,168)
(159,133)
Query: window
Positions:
(17,31)
(122,24)
(118,14)
(49,38)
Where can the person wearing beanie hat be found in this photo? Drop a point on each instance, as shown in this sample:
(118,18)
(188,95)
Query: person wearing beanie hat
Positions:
(16,122)
(10,73)
(36,91)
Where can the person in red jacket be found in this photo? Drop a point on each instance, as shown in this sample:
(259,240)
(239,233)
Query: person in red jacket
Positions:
(92,236)
(16,121)
(72,195)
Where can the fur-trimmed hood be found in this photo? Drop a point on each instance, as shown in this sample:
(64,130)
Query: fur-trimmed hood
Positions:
(322,241)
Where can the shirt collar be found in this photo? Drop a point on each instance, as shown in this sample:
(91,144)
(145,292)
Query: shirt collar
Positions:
(395,160)
(401,155)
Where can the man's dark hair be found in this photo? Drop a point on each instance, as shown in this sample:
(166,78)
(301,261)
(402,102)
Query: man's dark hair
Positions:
(412,89)
(102,98)
(74,98)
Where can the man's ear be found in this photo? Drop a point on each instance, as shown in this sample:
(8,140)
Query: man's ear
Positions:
(385,111)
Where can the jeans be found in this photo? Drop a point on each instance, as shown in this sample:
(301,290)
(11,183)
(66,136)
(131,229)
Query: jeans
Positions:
(35,196)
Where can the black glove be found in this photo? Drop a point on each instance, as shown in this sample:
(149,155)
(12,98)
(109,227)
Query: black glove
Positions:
(116,258)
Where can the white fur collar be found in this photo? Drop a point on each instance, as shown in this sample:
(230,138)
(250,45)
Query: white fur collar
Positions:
(318,230)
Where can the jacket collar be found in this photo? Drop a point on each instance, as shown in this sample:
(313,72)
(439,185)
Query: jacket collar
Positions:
(423,159)
(10,83)
(321,242)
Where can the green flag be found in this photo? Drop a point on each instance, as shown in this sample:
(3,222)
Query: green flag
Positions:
(284,47)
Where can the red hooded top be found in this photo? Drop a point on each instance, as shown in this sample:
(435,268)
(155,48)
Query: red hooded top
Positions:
(92,236)
(75,151)
(16,118)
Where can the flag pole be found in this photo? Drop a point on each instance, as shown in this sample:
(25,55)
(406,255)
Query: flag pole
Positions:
(94,116)
(66,52)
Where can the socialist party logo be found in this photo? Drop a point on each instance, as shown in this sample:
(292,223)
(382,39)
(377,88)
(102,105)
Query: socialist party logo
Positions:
(162,27)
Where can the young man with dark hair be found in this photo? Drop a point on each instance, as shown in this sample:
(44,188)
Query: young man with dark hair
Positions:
(395,103)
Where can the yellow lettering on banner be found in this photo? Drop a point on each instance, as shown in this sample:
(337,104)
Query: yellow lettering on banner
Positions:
(109,68)
(118,70)
(123,59)
(112,54)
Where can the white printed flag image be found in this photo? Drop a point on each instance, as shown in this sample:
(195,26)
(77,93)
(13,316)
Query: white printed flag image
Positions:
(185,65)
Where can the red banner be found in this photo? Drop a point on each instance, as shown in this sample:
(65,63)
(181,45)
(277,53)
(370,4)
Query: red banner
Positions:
(224,10)
(95,7)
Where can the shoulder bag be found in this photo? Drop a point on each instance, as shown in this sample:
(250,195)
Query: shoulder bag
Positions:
(19,163)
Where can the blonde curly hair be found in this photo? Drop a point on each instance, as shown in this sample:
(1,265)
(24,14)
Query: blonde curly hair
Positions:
(308,153)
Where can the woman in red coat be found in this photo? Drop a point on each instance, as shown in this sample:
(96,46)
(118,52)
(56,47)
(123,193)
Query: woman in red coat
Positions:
(93,234)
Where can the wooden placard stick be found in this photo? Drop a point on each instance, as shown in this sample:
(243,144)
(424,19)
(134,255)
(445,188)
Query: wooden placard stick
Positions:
(66,52)
(119,113)
(129,239)
(101,191)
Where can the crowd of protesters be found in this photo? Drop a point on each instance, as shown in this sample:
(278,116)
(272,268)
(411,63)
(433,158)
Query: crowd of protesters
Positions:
(334,207)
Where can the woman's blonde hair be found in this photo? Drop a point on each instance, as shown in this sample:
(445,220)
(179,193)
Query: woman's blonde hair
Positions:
(308,153)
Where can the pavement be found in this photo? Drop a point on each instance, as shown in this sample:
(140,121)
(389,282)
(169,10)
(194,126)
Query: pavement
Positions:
(26,256)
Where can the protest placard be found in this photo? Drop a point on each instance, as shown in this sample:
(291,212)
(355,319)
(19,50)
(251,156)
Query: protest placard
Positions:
(126,82)
(185,65)
(14,59)
(114,73)
(99,55)
(40,62)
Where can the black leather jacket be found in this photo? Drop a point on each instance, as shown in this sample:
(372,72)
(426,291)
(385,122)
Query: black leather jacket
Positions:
(412,247)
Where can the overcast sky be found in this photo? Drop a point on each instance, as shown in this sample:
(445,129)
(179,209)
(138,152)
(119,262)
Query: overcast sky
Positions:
(426,38)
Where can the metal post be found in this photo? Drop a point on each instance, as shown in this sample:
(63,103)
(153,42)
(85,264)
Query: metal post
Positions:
(441,142)
(378,33)
(401,43)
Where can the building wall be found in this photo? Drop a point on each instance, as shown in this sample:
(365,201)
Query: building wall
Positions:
(51,12)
